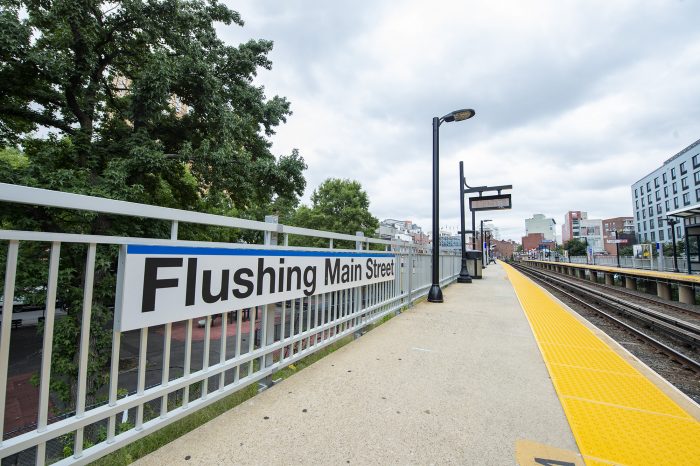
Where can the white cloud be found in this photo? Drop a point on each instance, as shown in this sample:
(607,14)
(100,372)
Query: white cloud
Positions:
(575,100)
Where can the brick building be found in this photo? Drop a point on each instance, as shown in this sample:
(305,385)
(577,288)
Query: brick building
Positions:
(503,249)
(624,226)
(532,241)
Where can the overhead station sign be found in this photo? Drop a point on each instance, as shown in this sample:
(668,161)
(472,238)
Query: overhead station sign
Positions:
(161,284)
(497,202)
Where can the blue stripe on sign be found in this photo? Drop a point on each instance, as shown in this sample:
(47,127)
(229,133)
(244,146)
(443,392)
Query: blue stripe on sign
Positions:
(194,251)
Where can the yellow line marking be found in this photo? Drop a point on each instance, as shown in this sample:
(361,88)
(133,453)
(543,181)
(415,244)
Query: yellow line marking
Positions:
(656,413)
(528,453)
(618,416)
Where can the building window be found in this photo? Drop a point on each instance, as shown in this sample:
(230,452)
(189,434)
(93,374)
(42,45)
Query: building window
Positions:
(674,185)
(649,198)
(661,235)
(636,193)
(658,208)
(636,204)
(639,226)
(683,170)
(697,194)
(686,199)
(651,223)
(643,202)
(651,210)
(644,213)
(678,231)
(696,163)
(684,182)
(646,237)
(644,225)
(673,173)
(663,177)
(668,205)
(675,202)
(653,236)
(696,177)
(656,182)
(665,191)
(658,195)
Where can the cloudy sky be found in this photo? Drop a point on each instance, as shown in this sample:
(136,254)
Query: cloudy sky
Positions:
(574,100)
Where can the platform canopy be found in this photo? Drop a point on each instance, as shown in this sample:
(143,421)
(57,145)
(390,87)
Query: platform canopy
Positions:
(685,212)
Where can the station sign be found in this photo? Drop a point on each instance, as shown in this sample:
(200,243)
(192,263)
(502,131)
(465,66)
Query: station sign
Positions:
(161,284)
(497,202)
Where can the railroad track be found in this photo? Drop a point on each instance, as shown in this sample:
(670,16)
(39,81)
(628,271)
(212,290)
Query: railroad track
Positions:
(592,299)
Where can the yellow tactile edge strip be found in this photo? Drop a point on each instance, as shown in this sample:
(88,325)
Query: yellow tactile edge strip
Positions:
(639,273)
(616,414)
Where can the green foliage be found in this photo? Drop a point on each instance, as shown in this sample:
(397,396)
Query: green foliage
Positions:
(575,247)
(626,251)
(12,158)
(680,248)
(137,101)
(107,80)
(340,206)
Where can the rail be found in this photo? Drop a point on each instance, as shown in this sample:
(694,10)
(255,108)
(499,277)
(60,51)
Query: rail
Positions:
(149,374)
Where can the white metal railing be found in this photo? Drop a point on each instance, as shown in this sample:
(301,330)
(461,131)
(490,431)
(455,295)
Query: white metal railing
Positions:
(156,375)
(663,263)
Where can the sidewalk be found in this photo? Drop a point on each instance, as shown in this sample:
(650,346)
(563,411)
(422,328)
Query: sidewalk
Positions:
(459,382)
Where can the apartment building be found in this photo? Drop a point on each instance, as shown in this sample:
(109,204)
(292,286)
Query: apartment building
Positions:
(541,224)
(672,186)
(570,227)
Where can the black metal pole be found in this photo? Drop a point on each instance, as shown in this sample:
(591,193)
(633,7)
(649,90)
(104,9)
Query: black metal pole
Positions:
(435,293)
(617,249)
(464,276)
(481,243)
(473,230)
(687,254)
(673,236)
(488,249)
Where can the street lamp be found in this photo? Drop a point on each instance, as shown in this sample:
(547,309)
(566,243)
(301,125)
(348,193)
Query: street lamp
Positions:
(435,293)
(464,276)
(617,245)
(481,238)
(672,223)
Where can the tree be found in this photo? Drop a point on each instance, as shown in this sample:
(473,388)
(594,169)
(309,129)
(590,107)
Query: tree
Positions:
(340,206)
(144,103)
(138,101)
(575,247)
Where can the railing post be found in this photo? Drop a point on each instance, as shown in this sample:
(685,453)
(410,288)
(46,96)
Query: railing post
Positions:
(267,326)
(410,276)
(358,293)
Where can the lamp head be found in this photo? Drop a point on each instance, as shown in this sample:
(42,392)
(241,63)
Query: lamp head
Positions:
(459,115)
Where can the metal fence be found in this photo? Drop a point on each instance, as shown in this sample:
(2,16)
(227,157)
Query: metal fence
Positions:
(155,375)
(663,263)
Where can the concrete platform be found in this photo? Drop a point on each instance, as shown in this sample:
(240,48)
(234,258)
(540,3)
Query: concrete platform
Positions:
(459,382)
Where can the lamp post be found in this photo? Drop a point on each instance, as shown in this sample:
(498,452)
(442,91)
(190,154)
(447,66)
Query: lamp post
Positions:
(435,293)
(672,223)
(489,257)
(481,238)
(464,276)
